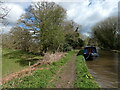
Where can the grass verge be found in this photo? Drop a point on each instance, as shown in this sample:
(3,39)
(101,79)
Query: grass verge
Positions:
(39,78)
(83,77)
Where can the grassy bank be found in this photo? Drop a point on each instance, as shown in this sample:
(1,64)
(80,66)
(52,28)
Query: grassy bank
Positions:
(83,77)
(39,78)
(15,60)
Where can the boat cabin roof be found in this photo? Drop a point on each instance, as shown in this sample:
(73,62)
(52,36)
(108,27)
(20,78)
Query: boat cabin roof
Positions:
(89,47)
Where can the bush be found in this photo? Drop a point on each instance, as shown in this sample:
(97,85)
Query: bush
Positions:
(67,47)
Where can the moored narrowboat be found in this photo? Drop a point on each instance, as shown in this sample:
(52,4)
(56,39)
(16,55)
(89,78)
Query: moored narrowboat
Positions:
(90,52)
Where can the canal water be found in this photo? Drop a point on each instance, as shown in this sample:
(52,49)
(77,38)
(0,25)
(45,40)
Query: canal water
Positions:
(105,69)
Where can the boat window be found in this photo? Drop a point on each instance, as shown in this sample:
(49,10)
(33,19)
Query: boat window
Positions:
(90,50)
(85,50)
(93,50)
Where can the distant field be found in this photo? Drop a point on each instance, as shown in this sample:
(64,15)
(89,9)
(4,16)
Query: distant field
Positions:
(15,60)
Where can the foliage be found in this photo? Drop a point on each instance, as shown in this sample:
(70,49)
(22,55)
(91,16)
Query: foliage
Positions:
(83,77)
(106,33)
(39,78)
(43,28)
(81,52)
(21,38)
(6,41)
(45,18)
(72,35)
(66,47)
(118,41)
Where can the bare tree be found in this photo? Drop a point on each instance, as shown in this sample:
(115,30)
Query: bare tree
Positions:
(4,11)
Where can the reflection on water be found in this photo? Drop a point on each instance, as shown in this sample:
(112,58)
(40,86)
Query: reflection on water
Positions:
(105,69)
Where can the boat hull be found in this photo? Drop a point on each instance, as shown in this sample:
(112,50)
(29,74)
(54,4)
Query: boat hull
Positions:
(90,56)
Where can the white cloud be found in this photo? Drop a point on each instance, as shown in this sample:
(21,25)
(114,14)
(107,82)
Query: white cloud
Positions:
(15,1)
(5,29)
(87,12)
(84,12)
(15,12)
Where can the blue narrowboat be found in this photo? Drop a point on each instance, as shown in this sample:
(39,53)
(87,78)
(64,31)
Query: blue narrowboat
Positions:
(90,52)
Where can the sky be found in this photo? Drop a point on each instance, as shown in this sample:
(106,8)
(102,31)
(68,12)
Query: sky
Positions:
(84,12)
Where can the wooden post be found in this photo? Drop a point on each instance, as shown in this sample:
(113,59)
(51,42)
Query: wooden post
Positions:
(29,63)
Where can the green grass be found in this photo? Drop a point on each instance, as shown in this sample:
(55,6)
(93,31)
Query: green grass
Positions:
(83,77)
(15,60)
(39,78)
